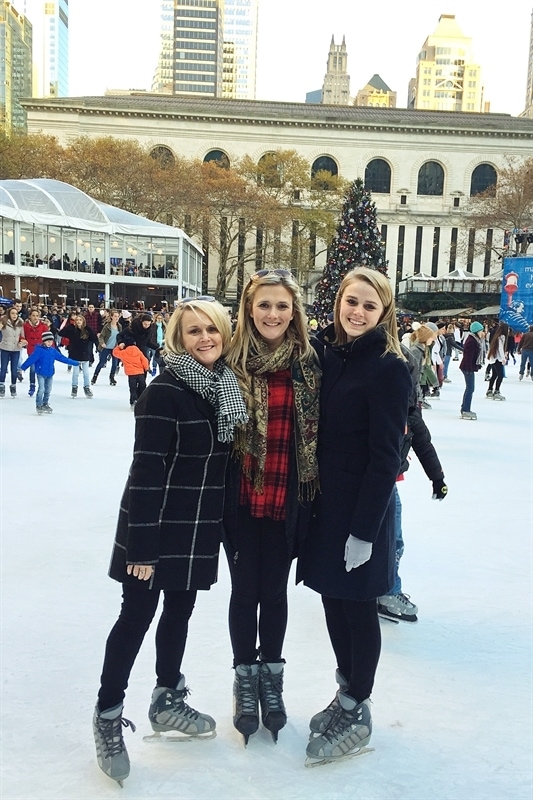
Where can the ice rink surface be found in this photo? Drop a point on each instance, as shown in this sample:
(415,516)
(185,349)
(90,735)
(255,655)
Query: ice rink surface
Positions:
(452,705)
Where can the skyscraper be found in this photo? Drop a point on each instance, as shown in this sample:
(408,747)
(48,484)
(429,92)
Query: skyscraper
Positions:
(15,67)
(528,110)
(447,78)
(208,47)
(376,93)
(163,81)
(336,86)
(50,45)
(190,60)
(240,49)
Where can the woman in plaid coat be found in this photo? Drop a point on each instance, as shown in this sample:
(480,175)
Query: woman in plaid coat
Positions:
(170,523)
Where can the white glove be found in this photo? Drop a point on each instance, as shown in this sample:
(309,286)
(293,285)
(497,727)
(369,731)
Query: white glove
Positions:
(356,552)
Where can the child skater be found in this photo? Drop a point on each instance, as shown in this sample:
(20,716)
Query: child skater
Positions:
(43,358)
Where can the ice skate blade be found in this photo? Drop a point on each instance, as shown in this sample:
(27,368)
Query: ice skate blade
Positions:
(389,619)
(311,762)
(175,737)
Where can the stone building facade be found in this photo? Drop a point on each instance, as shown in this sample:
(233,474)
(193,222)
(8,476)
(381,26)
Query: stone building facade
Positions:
(422,166)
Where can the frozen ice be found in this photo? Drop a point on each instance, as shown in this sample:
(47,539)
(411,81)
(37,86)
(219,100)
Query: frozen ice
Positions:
(452,699)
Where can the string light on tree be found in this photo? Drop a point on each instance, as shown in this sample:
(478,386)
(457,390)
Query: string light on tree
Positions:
(357,242)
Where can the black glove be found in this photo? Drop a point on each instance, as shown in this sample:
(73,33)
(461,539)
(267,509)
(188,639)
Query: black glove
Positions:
(440,490)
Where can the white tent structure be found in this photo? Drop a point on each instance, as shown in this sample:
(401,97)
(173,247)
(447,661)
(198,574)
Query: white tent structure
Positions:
(48,226)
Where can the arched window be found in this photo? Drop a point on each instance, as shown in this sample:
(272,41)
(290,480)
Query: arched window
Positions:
(164,155)
(377,176)
(430,179)
(483,177)
(269,171)
(323,164)
(219,156)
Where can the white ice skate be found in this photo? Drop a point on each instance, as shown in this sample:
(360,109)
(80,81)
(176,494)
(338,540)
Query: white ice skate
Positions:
(173,720)
(347,735)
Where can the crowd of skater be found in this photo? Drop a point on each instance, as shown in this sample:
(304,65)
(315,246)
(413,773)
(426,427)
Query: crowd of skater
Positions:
(280,439)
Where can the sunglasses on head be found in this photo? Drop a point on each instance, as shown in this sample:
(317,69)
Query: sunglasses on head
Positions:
(206,297)
(283,273)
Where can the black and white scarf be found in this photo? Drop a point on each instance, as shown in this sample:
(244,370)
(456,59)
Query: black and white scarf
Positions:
(218,386)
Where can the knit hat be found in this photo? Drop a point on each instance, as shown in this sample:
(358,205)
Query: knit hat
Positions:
(424,333)
(126,314)
(476,327)
(431,326)
(48,337)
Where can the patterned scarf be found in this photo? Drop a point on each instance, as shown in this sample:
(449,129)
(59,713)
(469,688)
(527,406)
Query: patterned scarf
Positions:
(218,386)
(251,440)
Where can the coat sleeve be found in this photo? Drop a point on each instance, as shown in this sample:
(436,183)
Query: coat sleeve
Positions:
(388,399)
(64,360)
(156,416)
(30,360)
(423,447)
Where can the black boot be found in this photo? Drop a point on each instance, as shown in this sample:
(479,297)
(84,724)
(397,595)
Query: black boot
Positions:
(273,712)
(246,699)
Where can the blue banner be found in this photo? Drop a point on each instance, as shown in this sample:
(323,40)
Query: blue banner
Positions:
(516,307)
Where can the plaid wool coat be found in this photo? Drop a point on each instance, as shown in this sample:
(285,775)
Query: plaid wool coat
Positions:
(172,506)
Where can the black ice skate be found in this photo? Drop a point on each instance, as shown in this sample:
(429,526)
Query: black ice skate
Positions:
(246,699)
(273,712)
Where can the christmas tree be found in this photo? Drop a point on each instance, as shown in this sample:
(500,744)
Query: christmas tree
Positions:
(357,242)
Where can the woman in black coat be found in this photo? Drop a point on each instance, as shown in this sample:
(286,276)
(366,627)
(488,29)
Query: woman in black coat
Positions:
(81,339)
(170,523)
(348,556)
(143,331)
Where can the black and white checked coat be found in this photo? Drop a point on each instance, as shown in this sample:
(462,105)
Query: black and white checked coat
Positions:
(171,510)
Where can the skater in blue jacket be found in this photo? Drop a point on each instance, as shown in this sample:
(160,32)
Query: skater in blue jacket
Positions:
(43,357)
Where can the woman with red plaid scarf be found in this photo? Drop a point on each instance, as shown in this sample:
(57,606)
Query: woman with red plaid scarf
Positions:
(271,482)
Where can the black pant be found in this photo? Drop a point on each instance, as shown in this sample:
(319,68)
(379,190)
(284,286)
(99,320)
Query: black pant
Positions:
(259,575)
(139,604)
(496,377)
(137,384)
(355,636)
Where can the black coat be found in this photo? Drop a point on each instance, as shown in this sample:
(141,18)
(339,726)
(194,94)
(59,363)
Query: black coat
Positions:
(171,510)
(145,338)
(79,348)
(363,412)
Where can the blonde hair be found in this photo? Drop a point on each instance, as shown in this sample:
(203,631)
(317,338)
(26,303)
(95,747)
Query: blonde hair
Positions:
(387,320)
(246,339)
(212,309)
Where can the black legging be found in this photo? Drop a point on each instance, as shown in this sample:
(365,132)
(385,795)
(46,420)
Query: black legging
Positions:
(259,576)
(139,604)
(355,636)
(496,376)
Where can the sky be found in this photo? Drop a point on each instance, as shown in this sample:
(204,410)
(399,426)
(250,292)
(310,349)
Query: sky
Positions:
(452,701)
(115,43)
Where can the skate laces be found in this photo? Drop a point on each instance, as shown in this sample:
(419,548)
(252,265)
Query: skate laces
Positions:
(404,599)
(247,693)
(271,690)
(340,719)
(178,704)
(111,730)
